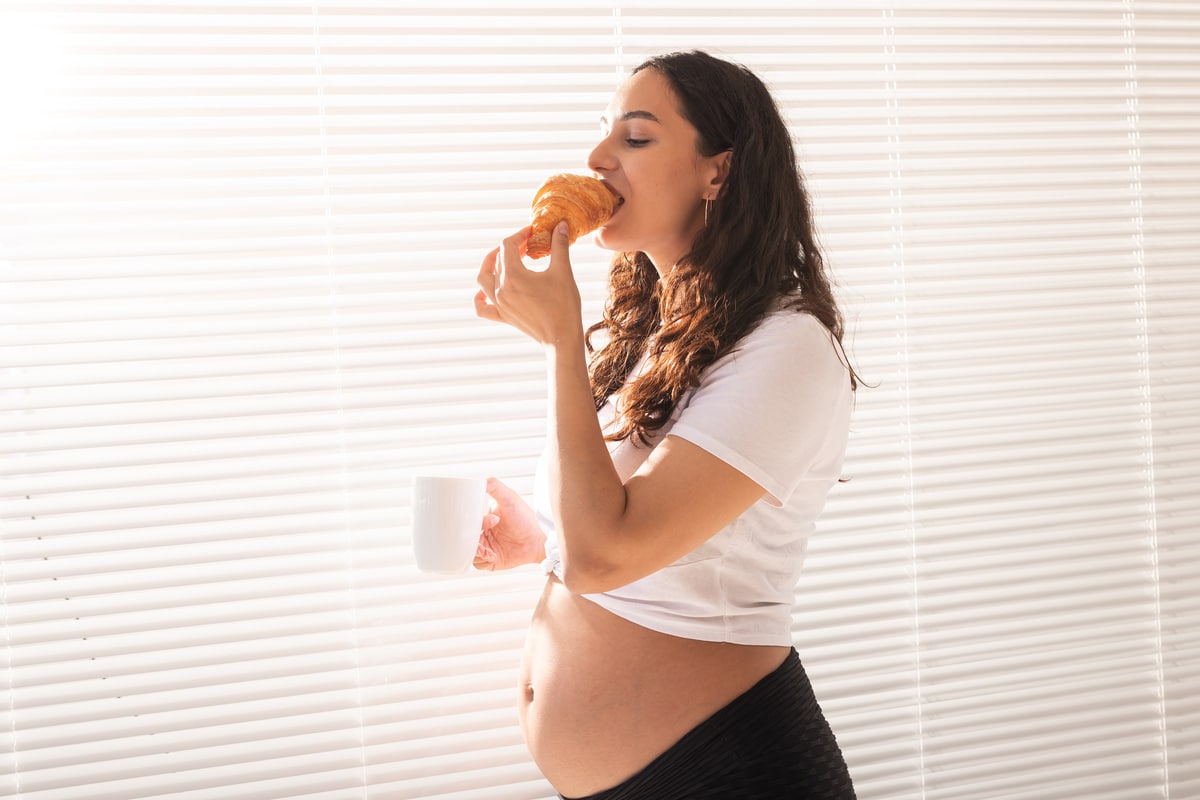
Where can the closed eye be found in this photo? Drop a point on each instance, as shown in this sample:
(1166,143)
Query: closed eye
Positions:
(637,142)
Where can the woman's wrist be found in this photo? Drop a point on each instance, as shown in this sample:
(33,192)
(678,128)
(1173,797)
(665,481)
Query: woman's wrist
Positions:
(572,345)
(539,553)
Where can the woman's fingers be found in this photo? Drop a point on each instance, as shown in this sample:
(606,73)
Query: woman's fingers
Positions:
(487,276)
(485,308)
(542,304)
(560,246)
(485,558)
(509,265)
(501,264)
(485,298)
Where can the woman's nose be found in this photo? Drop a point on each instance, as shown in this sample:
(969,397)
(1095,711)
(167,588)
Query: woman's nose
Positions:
(600,159)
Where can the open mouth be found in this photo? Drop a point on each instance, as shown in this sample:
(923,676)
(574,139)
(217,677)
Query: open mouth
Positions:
(620,200)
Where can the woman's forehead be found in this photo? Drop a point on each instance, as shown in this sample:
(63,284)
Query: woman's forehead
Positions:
(644,95)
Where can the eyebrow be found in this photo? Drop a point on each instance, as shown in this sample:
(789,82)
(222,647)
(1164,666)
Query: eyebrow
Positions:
(628,115)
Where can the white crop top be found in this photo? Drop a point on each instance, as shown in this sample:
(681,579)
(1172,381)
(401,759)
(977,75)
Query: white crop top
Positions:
(778,409)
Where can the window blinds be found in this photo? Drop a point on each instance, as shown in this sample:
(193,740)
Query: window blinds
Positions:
(237,251)
(1164,70)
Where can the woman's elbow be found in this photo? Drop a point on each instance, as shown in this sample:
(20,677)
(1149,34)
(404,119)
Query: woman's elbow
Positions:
(590,576)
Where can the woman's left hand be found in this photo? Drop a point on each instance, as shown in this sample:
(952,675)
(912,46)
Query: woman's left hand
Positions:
(511,535)
(544,305)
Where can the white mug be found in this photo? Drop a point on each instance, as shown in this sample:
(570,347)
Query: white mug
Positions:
(447,518)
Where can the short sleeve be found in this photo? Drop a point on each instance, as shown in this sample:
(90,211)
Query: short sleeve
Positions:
(776,408)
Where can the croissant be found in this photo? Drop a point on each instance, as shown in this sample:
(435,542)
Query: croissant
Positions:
(585,203)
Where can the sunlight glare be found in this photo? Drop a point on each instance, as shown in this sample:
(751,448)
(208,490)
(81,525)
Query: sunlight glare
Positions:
(31,59)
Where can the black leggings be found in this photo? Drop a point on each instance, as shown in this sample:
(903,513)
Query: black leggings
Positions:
(771,742)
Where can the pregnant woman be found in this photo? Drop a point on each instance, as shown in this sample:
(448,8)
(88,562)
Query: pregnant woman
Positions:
(688,457)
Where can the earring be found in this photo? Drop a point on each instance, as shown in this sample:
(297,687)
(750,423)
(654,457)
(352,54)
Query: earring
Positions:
(707,206)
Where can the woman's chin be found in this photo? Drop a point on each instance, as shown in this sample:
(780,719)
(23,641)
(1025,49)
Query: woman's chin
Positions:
(604,240)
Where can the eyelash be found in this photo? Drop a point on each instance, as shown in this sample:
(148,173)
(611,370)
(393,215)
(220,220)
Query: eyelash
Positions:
(637,142)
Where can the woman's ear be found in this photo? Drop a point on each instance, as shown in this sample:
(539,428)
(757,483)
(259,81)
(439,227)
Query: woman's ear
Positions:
(720,163)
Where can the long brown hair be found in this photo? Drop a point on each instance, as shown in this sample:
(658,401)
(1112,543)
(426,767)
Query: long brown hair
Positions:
(757,246)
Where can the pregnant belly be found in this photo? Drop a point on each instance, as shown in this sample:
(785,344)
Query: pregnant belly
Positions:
(602,696)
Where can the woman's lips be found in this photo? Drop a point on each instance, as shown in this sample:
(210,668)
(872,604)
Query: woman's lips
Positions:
(615,193)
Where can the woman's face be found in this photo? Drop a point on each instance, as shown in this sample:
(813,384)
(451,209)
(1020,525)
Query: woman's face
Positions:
(649,158)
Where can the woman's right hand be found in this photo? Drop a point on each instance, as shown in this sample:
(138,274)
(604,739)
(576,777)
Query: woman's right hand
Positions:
(545,304)
(511,535)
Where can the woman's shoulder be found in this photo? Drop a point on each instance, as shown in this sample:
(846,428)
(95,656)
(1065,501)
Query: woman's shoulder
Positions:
(789,344)
(787,325)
